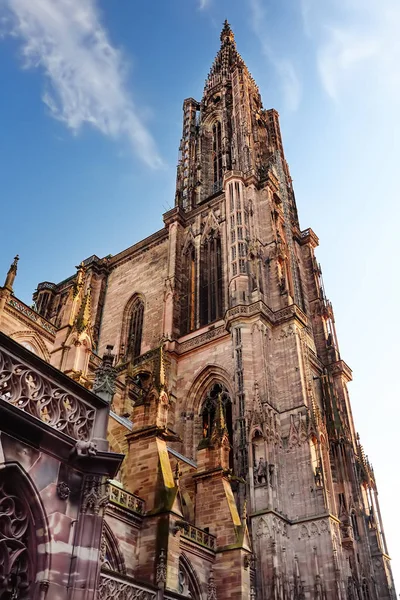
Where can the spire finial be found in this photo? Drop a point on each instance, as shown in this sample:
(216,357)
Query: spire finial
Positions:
(220,430)
(227,34)
(12,271)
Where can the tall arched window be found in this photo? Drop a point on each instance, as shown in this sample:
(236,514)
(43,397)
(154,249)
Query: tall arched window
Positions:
(217,155)
(188,298)
(134,329)
(211,279)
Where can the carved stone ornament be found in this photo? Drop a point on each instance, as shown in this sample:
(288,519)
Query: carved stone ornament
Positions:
(211,587)
(95,494)
(40,397)
(105,376)
(249,561)
(111,588)
(15,559)
(82,448)
(161,572)
(63,490)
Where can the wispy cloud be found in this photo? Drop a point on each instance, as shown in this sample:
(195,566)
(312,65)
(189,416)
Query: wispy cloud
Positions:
(290,83)
(203,4)
(85,74)
(356,40)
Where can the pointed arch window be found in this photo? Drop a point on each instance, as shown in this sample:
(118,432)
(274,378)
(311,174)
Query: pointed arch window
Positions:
(188,315)
(211,279)
(217,155)
(134,329)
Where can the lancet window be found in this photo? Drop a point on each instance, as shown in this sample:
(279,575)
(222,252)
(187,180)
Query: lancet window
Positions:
(217,155)
(188,319)
(134,329)
(239,229)
(211,279)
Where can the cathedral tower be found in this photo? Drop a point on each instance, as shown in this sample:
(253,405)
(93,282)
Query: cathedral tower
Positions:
(231,403)
(245,267)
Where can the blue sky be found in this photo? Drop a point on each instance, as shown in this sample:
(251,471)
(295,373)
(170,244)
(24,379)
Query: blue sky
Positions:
(90,120)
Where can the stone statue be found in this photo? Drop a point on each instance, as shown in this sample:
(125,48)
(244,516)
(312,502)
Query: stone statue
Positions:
(318,476)
(260,472)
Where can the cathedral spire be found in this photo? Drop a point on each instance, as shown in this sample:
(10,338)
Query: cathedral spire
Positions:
(226,60)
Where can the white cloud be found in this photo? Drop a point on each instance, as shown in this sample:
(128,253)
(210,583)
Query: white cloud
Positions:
(290,83)
(85,73)
(356,42)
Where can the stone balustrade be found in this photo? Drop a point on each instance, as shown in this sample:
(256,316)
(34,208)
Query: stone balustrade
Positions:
(36,388)
(121,497)
(113,586)
(199,536)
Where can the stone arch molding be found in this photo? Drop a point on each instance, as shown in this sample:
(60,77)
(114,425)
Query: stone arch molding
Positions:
(31,338)
(25,548)
(204,380)
(188,581)
(111,556)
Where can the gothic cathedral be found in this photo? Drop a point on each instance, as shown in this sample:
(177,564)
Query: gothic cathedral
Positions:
(232,468)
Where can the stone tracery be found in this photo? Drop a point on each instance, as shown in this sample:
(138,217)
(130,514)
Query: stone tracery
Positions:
(17,564)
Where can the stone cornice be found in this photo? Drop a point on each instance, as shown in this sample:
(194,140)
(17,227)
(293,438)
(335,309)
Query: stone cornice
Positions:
(307,236)
(153,240)
(259,308)
(341,368)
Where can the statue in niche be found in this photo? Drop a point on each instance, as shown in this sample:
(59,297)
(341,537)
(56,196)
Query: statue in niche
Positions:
(260,465)
(271,471)
(318,476)
(261,472)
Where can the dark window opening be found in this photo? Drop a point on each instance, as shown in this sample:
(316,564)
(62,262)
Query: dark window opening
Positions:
(188,298)
(134,340)
(217,155)
(211,280)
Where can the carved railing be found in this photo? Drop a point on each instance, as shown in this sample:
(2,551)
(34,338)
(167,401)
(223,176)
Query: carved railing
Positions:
(24,387)
(113,586)
(121,497)
(199,536)
(32,315)
(46,285)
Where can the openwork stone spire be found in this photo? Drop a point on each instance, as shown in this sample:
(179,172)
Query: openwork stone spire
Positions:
(227,58)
